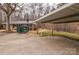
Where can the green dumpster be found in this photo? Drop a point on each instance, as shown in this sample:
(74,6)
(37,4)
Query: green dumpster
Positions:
(18,29)
(22,29)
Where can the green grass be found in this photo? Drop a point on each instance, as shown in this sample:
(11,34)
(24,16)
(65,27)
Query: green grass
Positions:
(62,34)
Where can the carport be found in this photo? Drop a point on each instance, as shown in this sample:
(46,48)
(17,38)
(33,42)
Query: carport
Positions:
(67,13)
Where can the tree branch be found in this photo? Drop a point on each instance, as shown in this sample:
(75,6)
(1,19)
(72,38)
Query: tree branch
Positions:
(2,8)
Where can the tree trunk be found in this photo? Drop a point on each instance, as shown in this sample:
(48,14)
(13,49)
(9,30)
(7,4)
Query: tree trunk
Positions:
(8,24)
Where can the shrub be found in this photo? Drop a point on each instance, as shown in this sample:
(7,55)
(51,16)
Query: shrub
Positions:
(63,34)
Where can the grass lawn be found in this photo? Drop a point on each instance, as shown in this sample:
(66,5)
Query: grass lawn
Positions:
(44,32)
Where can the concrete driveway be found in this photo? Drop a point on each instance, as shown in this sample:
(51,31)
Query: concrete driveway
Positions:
(29,43)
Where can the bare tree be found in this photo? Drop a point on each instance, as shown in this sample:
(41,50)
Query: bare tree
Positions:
(8,8)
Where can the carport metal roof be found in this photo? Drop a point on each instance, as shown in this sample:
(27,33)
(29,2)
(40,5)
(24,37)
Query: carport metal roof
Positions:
(64,14)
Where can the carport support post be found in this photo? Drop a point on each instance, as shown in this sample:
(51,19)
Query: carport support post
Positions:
(37,27)
(52,29)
